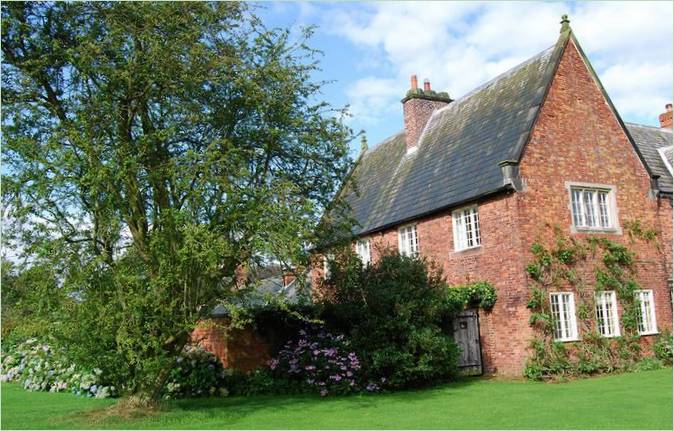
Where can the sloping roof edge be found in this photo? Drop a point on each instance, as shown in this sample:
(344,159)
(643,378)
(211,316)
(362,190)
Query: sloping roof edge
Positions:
(517,152)
(561,46)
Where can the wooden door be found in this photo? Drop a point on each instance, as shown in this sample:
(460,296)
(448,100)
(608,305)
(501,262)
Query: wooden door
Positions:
(466,331)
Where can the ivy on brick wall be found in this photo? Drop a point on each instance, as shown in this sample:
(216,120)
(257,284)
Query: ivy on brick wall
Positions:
(479,294)
(584,266)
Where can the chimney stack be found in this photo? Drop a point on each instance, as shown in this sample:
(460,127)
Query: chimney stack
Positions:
(666,117)
(418,106)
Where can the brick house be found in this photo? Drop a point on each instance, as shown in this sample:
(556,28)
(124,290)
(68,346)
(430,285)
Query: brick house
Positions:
(471,183)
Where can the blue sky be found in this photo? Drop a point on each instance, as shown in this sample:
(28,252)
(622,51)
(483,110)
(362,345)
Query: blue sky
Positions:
(370,50)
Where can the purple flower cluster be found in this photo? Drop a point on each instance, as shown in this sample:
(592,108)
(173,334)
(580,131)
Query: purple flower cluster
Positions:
(320,360)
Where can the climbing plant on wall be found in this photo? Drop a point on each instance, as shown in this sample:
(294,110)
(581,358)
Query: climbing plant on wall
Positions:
(586,267)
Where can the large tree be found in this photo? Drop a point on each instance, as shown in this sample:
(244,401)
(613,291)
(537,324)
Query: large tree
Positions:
(151,151)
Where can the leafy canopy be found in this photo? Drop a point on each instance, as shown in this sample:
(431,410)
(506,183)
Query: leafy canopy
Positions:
(151,151)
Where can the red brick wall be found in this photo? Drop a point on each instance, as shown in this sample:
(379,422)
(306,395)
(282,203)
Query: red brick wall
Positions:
(578,138)
(416,112)
(499,260)
(239,349)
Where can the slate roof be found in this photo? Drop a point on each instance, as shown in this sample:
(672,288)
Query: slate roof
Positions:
(650,140)
(269,290)
(458,153)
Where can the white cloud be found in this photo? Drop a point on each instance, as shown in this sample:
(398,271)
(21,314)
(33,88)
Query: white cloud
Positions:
(459,45)
(371,99)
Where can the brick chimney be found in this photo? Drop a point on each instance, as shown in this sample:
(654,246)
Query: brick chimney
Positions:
(418,105)
(666,117)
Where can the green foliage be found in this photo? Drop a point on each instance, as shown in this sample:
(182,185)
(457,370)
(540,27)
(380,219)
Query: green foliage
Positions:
(39,367)
(260,382)
(198,373)
(554,269)
(320,362)
(663,347)
(480,294)
(150,152)
(648,364)
(29,295)
(637,231)
(397,312)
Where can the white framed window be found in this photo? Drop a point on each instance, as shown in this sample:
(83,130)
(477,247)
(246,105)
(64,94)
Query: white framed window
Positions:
(466,228)
(363,251)
(408,242)
(606,308)
(646,323)
(563,310)
(593,207)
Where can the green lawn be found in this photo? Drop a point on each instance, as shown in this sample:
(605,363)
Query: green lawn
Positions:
(628,401)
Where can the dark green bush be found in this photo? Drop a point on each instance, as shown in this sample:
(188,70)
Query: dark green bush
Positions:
(663,347)
(261,381)
(394,312)
(198,373)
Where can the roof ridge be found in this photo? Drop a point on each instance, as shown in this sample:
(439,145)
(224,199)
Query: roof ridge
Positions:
(646,126)
(498,77)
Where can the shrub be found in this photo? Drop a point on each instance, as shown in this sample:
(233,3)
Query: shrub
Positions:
(257,382)
(321,362)
(197,373)
(39,367)
(663,347)
(648,364)
(394,312)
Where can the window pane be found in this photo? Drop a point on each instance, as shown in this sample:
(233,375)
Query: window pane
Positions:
(565,316)
(590,220)
(640,311)
(476,224)
(603,209)
(460,240)
(469,227)
(601,322)
(646,306)
(554,303)
(576,208)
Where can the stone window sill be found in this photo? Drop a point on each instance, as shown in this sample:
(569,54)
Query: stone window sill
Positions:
(467,251)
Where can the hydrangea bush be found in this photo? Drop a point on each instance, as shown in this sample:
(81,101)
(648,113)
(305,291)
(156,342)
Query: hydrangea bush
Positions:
(197,373)
(39,367)
(321,362)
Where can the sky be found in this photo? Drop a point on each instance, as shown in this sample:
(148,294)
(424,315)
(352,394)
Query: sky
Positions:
(370,49)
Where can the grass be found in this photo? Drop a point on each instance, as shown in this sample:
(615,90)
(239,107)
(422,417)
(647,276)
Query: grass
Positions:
(627,401)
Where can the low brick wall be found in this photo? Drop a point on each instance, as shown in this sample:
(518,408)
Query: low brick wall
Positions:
(239,349)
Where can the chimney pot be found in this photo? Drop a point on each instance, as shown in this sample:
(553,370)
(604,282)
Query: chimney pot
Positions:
(413,82)
(427,85)
(666,117)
